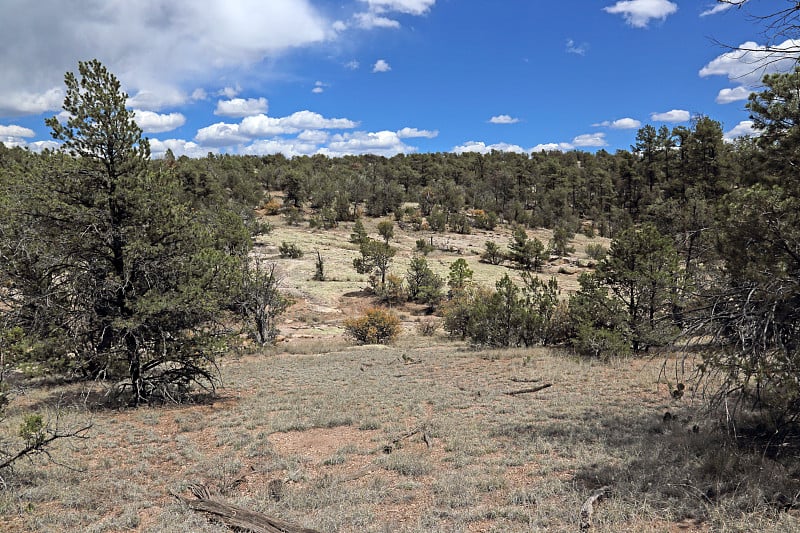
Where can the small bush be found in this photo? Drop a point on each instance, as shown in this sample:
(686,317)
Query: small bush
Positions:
(596,251)
(424,246)
(290,250)
(375,326)
(493,254)
(271,206)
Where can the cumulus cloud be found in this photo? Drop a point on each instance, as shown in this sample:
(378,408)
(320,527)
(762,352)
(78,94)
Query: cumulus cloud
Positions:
(259,126)
(590,140)
(675,115)
(639,13)
(319,87)
(151,122)
(408,133)
(240,107)
(482,148)
(626,123)
(179,148)
(381,66)
(151,46)
(220,134)
(287,147)
(16,103)
(16,131)
(742,129)
(14,135)
(726,96)
(751,61)
(352,65)
(503,119)
(385,143)
(553,147)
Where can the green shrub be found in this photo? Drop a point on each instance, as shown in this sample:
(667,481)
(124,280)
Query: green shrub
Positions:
(290,250)
(596,251)
(493,254)
(424,246)
(375,326)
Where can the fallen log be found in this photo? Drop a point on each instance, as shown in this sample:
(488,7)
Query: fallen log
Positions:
(588,507)
(239,517)
(527,391)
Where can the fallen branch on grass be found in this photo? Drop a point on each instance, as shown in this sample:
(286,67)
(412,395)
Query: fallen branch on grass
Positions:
(588,507)
(527,391)
(525,380)
(238,517)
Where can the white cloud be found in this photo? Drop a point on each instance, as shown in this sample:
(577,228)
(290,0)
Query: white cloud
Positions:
(407,133)
(15,103)
(553,147)
(319,88)
(151,46)
(368,21)
(352,65)
(626,123)
(718,8)
(639,13)
(482,148)
(40,146)
(381,66)
(314,136)
(158,98)
(386,143)
(590,139)
(752,61)
(199,94)
(287,147)
(503,119)
(239,107)
(575,48)
(151,122)
(220,134)
(675,115)
(230,92)
(726,96)
(310,120)
(16,131)
(179,147)
(742,129)
(411,7)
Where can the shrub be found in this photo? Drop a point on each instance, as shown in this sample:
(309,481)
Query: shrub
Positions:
(359,234)
(424,246)
(290,250)
(392,291)
(484,220)
(271,206)
(596,251)
(375,326)
(493,254)
(424,286)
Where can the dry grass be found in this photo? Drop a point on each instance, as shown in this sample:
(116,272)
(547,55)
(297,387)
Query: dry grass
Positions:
(495,462)
(317,414)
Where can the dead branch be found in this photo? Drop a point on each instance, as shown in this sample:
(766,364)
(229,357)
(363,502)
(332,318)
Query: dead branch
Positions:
(527,391)
(587,509)
(238,517)
(526,380)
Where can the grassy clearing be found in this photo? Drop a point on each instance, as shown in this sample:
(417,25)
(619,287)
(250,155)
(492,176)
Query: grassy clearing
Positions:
(321,423)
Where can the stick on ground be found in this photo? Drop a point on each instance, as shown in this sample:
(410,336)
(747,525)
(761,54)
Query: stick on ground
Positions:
(588,507)
(238,517)
(526,391)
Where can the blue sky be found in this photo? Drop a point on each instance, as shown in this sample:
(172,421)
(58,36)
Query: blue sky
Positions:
(386,76)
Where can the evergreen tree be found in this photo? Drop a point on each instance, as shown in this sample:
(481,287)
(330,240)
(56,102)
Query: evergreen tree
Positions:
(122,278)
